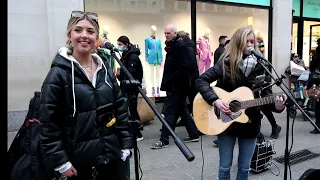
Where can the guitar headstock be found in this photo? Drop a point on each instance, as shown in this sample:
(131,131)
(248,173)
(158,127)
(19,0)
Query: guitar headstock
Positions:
(314,91)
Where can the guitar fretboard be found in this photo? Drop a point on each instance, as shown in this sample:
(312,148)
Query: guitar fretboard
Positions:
(264,100)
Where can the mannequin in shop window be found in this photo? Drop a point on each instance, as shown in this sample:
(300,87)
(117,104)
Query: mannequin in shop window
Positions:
(102,38)
(204,52)
(153,52)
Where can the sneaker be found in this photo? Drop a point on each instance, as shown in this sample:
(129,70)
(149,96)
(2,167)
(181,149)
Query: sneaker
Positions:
(315,131)
(139,139)
(275,132)
(180,123)
(189,139)
(159,145)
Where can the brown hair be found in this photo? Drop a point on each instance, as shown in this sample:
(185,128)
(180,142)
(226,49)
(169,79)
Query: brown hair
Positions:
(182,34)
(72,22)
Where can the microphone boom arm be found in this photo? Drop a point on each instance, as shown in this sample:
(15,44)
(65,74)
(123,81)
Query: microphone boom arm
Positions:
(183,148)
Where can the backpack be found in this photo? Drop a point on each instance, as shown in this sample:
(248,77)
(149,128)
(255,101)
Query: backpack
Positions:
(310,174)
(25,162)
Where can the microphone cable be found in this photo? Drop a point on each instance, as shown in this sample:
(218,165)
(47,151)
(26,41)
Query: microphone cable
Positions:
(202,155)
(289,151)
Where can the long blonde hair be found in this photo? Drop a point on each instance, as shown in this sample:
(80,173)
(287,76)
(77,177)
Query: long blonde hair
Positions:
(72,22)
(234,50)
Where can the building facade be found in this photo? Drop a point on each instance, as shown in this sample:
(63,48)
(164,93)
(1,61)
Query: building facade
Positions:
(40,26)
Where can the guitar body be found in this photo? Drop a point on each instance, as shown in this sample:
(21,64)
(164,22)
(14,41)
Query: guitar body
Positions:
(211,123)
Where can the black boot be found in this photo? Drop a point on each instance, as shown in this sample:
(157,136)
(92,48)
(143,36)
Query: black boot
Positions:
(275,132)
(315,132)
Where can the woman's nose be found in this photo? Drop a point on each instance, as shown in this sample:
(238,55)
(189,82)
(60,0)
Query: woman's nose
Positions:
(84,34)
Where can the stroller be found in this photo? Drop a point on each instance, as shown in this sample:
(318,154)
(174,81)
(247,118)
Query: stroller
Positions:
(296,84)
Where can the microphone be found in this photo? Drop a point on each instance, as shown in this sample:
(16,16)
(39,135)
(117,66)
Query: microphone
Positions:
(106,44)
(255,53)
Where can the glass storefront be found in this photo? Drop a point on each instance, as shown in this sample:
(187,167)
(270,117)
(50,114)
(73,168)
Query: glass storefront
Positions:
(306,28)
(224,20)
(311,34)
(135,18)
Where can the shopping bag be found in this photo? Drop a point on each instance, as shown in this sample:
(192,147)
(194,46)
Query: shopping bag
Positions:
(296,70)
(145,112)
(304,76)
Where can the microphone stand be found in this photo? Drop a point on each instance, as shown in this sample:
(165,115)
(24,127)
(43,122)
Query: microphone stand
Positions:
(289,102)
(134,124)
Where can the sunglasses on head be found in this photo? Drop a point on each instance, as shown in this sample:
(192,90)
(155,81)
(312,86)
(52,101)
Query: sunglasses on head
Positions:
(80,14)
(296,56)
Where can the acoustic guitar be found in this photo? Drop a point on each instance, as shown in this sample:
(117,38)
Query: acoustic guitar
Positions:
(205,115)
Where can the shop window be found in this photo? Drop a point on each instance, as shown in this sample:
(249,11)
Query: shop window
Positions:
(310,29)
(134,18)
(226,19)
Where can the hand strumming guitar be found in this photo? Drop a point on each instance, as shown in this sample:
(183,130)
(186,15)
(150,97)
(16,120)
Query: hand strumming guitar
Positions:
(222,106)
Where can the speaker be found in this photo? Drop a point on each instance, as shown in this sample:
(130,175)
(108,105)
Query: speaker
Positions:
(311,174)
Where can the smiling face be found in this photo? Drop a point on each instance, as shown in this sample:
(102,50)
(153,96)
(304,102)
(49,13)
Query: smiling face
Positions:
(83,36)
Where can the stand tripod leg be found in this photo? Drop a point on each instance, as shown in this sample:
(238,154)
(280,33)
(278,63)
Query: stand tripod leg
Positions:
(286,152)
(136,159)
(133,128)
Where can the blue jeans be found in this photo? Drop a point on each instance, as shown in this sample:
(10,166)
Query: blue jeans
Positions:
(246,150)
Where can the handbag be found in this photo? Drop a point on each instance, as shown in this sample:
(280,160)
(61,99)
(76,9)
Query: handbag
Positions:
(315,76)
(145,112)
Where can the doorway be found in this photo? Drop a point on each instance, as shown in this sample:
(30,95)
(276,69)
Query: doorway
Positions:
(313,37)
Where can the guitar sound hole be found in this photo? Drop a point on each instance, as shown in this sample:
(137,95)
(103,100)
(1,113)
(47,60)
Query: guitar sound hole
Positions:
(235,106)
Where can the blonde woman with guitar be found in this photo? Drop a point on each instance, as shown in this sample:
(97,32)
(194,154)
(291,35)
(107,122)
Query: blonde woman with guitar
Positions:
(236,71)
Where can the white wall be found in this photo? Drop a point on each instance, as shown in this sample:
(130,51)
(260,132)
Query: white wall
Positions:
(281,40)
(36,29)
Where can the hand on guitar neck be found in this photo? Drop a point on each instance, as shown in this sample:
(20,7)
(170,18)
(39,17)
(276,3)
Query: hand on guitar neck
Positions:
(224,107)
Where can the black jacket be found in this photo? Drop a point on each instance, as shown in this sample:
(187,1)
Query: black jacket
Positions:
(79,140)
(194,72)
(176,73)
(247,130)
(315,63)
(217,53)
(131,61)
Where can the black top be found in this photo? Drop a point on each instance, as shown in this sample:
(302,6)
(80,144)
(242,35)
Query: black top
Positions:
(78,139)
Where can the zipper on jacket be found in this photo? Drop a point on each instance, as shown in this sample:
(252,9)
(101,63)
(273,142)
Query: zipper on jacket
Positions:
(100,128)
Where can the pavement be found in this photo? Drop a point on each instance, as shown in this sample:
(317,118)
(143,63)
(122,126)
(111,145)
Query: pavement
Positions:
(170,164)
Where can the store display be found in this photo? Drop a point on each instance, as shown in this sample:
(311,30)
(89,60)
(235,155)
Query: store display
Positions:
(104,37)
(204,52)
(144,23)
(260,41)
(153,53)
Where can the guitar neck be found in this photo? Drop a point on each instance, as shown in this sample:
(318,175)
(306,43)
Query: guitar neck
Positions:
(264,100)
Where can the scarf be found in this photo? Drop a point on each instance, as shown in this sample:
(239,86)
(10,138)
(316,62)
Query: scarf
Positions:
(170,43)
(248,64)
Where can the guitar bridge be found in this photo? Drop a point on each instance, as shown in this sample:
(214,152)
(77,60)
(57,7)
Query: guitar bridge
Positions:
(217,112)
